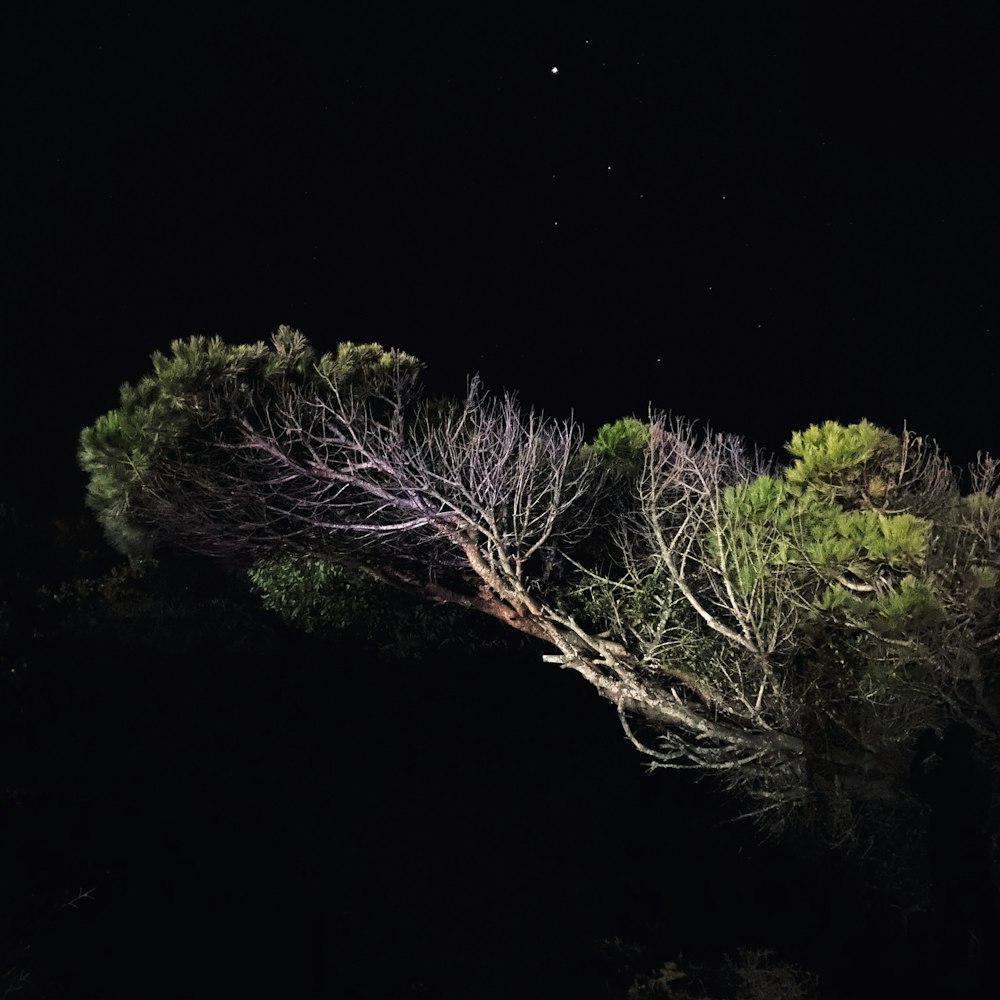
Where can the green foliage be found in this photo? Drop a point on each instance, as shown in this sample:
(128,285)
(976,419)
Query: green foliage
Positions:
(321,597)
(314,594)
(757,534)
(819,521)
(911,603)
(165,409)
(621,446)
(861,542)
(599,603)
(652,605)
(762,499)
(853,465)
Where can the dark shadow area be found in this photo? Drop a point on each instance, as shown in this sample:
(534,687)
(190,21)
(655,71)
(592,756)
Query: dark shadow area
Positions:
(958,935)
(200,802)
(307,820)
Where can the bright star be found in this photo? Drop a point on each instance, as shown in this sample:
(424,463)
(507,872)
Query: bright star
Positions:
(555,69)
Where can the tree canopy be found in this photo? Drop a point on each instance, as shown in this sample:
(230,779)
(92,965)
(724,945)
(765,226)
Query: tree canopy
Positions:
(787,627)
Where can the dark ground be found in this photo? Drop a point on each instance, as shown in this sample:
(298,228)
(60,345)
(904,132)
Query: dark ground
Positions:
(274,820)
(305,818)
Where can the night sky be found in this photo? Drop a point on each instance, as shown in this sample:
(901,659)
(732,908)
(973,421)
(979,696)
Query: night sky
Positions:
(757,219)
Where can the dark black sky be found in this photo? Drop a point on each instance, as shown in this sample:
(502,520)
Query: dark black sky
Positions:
(799,222)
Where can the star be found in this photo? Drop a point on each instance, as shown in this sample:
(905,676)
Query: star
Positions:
(555,69)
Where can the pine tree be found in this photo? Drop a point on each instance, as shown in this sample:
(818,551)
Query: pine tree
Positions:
(785,627)
(168,410)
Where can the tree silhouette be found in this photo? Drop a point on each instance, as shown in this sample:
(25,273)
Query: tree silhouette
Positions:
(786,628)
